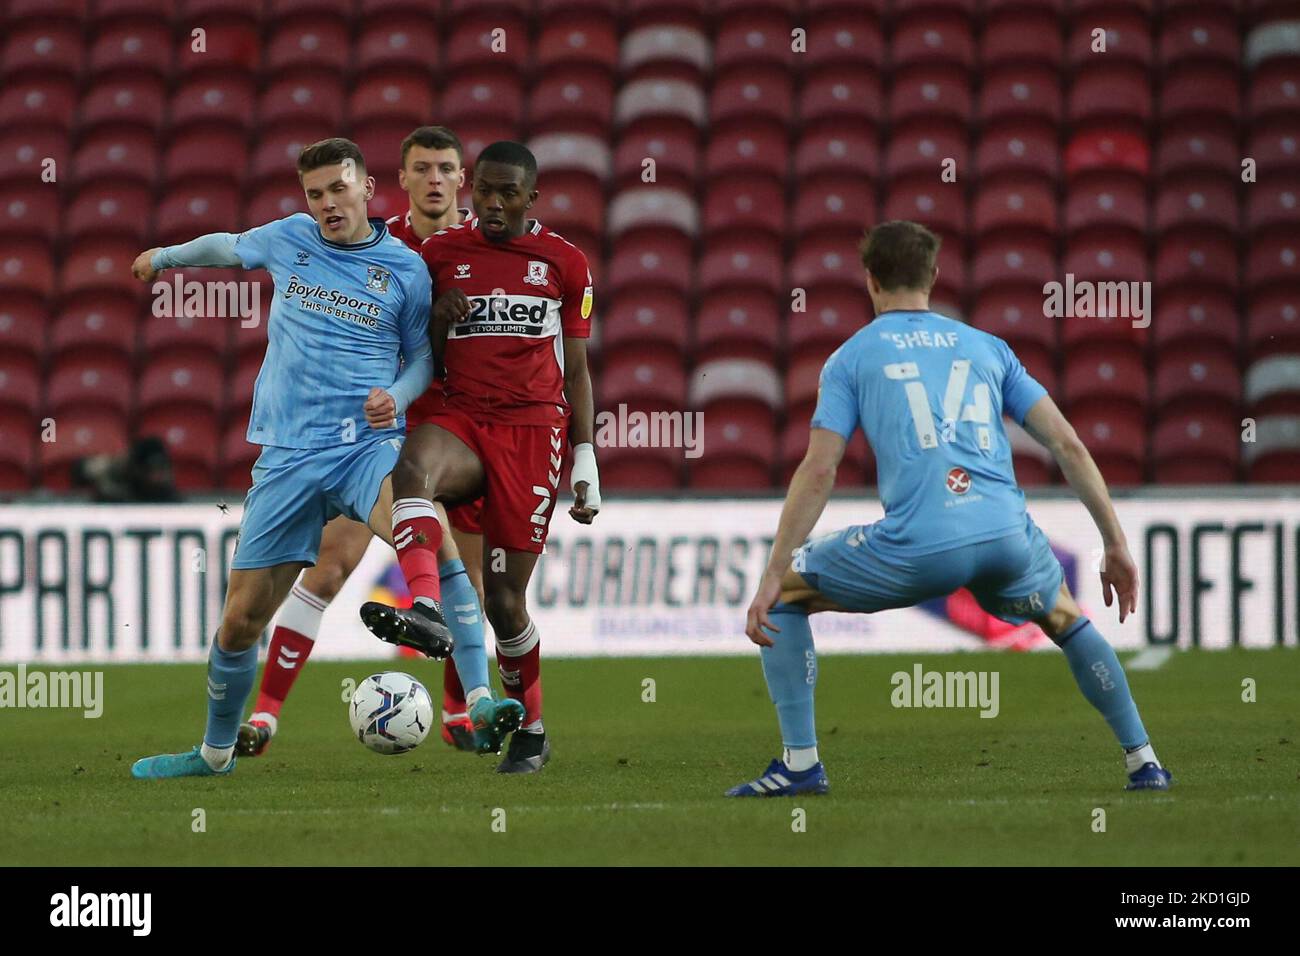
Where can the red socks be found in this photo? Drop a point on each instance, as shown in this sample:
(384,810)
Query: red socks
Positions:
(453,694)
(417,535)
(291,643)
(519,661)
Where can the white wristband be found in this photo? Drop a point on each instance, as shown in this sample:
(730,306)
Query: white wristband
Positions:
(584,469)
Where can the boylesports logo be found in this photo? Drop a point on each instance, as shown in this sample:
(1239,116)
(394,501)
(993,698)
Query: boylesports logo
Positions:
(317,298)
(958,481)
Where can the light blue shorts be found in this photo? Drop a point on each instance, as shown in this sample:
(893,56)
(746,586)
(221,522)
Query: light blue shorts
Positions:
(1016,578)
(297,490)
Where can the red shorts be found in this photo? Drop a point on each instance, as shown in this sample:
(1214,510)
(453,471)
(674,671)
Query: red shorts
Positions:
(466,518)
(521,469)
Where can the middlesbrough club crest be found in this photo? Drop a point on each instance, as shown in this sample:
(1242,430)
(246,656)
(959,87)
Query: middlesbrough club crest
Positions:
(536,273)
(958,481)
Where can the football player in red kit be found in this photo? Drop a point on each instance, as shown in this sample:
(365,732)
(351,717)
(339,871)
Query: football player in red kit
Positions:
(511,319)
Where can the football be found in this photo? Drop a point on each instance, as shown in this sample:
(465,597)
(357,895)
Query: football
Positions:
(391,712)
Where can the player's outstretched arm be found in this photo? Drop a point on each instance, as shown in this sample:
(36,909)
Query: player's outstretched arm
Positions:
(1050,429)
(582,429)
(810,487)
(214,249)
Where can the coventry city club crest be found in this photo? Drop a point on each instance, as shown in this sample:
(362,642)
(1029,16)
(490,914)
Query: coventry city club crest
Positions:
(377,279)
(536,273)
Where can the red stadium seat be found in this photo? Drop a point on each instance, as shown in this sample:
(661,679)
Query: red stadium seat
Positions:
(278,11)
(1201,202)
(931,94)
(194,210)
(759,40)
(392,98)
(121,209)
(1020,37)
(315,41)
(1110,201)
(1022,207)
(1105,256)
(676,153)
(1273,260)
(931,38)
(214,101)
(1196,380)
(89,382)
(1127,41)
(23,152)
(18,442)
(1203,259)
(32,212)
(208,157)
(1117,441)
(1016,315)
(1195,449)
(231,46)
(1192,150)
(650,262)
(831,315)
(640,469)
(834,96)
(1114,374)
(1273,206)
(1018,151)
(496,96)
(136,47)
(844,38)
(1273,322)
(20,383)
(760,147)
(397,43)
(127,155)
(653,381)
(41,49)
(938,205)
(94,325)
(181,380)
(1200,34)
(577,42)
(738,454)
(1272,94)
(573,100)
(1100,151)
(1021,94)
(474,43)
(1200,93)
(300,99)
(1110,94)
(186,331)
(744,203)
(192,440)
(752,94)
(737,324)
(847,149)
(1023,261)
(1196,316)
(99,266)
(741,263)
(825,262)
(276,154)
(833,206)
(654,320)
(23,323)
(79,433)
(112,104)
(924,150)
(41,101)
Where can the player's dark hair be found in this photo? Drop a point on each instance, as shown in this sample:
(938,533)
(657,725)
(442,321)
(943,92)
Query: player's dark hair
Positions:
(433,137)
(330,152)
(509,153)
(900,254)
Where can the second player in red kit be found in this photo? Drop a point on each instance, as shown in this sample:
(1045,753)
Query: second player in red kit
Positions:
(511,319)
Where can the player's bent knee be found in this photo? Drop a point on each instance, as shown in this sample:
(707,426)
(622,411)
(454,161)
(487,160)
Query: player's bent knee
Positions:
(506,610)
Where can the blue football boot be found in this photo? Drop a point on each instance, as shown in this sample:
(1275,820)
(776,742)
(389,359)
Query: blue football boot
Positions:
(494,721)
(165,766)
(1150,777)
(780,781)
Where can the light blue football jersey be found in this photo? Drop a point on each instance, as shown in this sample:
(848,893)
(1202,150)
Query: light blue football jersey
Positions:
(342,318)
(929,393)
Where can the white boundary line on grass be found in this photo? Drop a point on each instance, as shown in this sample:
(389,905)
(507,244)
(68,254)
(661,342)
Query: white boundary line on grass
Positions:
(1153,658)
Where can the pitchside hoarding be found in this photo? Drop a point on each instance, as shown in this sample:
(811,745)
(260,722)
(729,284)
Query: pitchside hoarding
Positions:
(144,583)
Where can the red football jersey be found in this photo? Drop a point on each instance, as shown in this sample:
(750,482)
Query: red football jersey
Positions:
(505,360)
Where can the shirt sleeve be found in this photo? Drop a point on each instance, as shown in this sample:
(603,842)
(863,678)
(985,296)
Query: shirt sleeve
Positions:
(575,309)
(837,397)
(254,245)
(417,352)
(214,249)
(1020,390)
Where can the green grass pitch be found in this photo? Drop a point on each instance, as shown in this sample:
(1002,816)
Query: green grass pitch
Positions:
(635,782)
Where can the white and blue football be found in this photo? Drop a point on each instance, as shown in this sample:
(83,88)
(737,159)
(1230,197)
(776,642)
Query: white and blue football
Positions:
(391,712)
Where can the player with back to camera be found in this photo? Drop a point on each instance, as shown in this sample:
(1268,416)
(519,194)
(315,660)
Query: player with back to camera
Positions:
(347,347)
(511,321)
(431,173)
(929,393)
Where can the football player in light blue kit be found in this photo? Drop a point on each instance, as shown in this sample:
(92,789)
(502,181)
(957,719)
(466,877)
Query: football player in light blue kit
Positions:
(930,393)
(348,350)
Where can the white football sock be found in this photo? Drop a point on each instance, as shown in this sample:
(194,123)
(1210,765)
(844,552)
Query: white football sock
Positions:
(534,728)
(474,696)
(301,612)
(217,757)
(799,759)
(1134,759)
(271,721)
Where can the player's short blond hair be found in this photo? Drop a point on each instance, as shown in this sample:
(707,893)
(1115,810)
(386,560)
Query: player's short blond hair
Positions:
(900,254)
